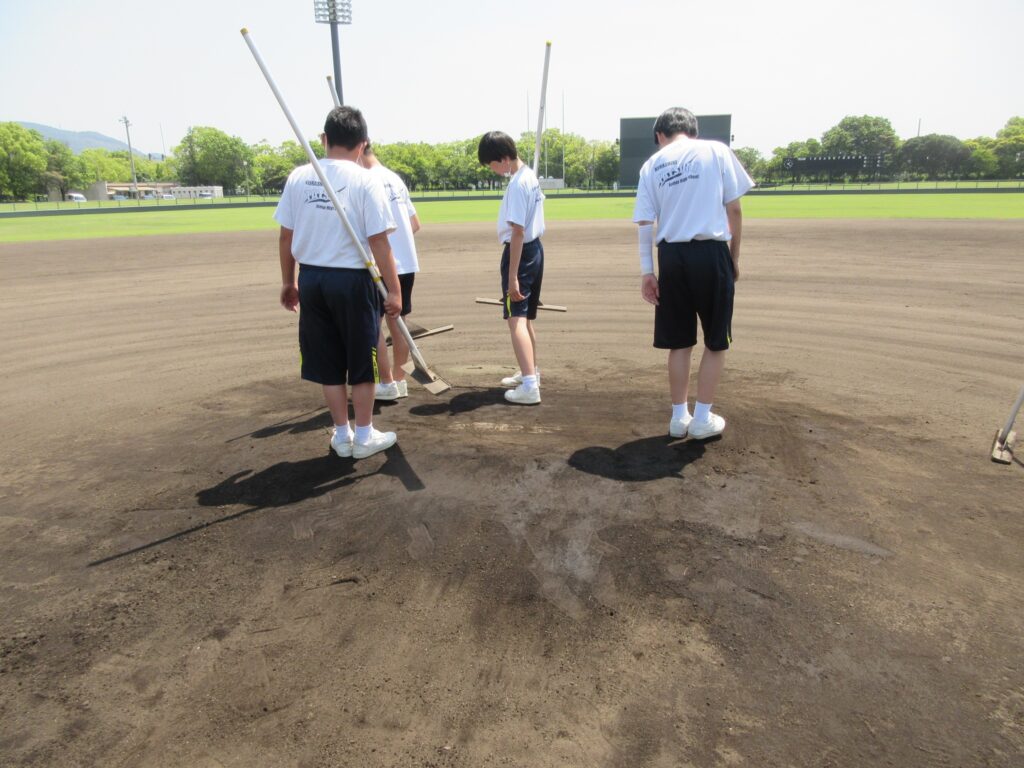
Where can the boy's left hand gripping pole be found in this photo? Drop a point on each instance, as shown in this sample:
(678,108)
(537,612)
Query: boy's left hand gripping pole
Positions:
(420,371)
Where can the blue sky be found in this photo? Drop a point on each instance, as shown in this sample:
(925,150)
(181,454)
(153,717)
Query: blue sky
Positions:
(441,70)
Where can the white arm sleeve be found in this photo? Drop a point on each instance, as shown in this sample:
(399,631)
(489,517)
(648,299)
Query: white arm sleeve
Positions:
(646,238)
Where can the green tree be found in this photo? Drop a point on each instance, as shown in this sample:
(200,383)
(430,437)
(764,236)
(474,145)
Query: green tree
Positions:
(935,156)
(208,156)
(983,162)
(23,160)
(1009,148)
(103,165)
(864,135)
(63,170)
(753,161)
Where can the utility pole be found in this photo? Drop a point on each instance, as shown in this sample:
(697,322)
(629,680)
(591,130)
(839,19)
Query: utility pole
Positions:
(131,156)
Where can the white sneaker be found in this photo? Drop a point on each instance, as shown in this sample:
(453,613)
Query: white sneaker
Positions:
(522,396)
(516,379)
(387,391)
(678,427)
(702,430)
(341,447)
(379,441)
(403,388)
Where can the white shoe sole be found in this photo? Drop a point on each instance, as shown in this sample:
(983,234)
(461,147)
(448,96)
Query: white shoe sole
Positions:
(522,402)
(344,449)
(706,435)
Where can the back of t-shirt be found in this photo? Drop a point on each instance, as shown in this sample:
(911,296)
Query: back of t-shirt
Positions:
(403,246)
(685,186)
(320,238)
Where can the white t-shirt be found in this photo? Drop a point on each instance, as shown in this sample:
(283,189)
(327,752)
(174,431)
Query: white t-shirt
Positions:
(522,204)
(684,187)
(320,238)
(403,246)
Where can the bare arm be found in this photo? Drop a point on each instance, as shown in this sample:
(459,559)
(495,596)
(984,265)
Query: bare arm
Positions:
(414,221)
(734,213)
(289,286)
(381,249)
(515,255)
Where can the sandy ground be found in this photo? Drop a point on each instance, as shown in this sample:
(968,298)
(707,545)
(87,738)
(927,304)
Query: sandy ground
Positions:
(189,578)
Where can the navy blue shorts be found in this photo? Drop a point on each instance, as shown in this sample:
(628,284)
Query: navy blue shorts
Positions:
(695,280)
(405,283)
(531,274)
(339,319)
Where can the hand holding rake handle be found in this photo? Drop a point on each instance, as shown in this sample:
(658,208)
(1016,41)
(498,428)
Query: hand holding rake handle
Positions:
(417,367)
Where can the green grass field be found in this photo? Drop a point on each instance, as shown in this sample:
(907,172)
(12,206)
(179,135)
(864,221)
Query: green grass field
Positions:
(213,219)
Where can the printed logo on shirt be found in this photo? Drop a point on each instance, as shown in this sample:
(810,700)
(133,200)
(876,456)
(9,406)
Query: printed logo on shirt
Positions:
(392,193)
(677,173)
(319,198)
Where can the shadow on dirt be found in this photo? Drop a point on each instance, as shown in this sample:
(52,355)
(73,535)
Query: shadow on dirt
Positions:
(650,458)
(463,402)
(283,484)
(321,419)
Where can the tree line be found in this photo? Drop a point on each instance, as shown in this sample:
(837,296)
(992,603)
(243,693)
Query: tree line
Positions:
(30,164)
(930,157)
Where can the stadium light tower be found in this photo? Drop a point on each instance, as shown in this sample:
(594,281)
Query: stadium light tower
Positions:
(334,12)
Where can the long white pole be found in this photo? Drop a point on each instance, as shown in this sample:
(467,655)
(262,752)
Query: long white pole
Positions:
(371,265)
(543,105)
(1004,433)
(334,92)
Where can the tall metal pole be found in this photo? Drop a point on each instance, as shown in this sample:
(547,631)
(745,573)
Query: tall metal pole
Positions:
(334,12)
(335,51)
(131,156)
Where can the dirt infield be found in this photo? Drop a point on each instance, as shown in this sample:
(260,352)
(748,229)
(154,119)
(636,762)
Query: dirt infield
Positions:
(188,578)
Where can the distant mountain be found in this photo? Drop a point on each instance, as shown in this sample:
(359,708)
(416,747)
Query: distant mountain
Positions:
(79,140)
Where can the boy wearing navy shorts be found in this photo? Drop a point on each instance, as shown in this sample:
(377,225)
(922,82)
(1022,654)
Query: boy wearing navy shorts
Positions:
(340,306)
(520,226)
(692,189)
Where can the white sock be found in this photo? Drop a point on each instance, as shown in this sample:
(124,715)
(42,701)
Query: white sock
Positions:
(342,433)
(680,412)
(363,434)
(530,383)
(702,412)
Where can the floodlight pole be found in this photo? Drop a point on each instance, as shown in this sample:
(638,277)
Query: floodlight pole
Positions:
(131,155)
(334,12)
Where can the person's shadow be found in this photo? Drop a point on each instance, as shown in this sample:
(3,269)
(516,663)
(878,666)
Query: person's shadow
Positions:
(321,419)
(649,458)
(282,484)
(462,403)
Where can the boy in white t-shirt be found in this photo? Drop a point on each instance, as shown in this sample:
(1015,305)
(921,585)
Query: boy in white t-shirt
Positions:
(520,226)
(340,318)
(407,223)
(692,189)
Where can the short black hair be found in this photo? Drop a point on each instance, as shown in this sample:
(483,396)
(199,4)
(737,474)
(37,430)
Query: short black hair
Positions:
(495,146)
(345,127)
(675,120)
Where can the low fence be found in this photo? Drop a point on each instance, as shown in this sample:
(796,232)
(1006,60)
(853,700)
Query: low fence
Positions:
(12,210)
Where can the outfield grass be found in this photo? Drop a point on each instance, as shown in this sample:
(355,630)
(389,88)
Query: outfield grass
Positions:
(186,221)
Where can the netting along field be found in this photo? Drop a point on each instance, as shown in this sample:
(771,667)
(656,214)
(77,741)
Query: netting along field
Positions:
(188,578)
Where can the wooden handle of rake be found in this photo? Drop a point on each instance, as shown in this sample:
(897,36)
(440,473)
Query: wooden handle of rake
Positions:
(371,265)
